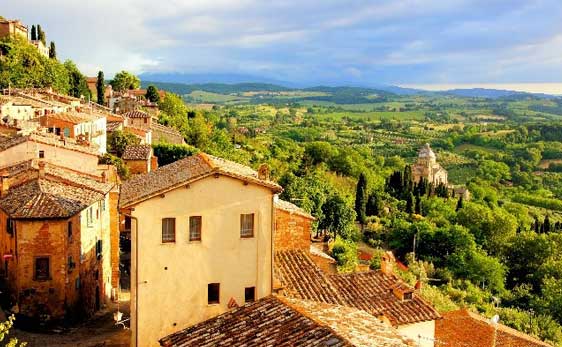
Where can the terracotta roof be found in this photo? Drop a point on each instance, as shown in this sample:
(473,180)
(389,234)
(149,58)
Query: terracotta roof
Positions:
(464,328)
(137,152)
(356,326)
(369,291)
(11,141)
(171,176)
(292,208)
(273,321)
(136,114)
(59,193)
(74,117)
(7,142)
(302,279)
(112,126)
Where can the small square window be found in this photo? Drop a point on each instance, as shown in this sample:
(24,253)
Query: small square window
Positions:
(195,228)
(247,225)
(213,293)
(41,154)
(42,268)
(250,294)
(168,230)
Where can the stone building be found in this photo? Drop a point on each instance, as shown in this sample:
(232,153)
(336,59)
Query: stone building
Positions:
(55,227)
(12,28)
(202,231)
(293,226)
(427,167)
(89,128)
(140,159)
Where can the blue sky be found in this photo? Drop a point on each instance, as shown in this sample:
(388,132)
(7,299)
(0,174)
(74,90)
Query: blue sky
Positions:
(310,41)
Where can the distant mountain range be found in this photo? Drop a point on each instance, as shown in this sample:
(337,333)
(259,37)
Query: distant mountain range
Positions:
(185,83)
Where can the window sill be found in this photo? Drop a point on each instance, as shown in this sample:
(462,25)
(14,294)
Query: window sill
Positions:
(195,241)
(247,237)
(213,304)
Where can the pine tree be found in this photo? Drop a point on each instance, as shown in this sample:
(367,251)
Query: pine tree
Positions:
(459,204)
(33,33)
(410,203)
(361,199)
(52,51)
(100,88)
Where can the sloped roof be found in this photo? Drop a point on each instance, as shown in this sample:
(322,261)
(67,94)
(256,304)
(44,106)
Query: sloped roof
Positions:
(469,329)
(372,292)
(58,193)
(302,279)
(273,321)
(292,208)
(369,291)
(171,176)
(137,152)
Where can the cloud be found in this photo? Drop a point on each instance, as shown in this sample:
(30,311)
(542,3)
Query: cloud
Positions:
(311,41)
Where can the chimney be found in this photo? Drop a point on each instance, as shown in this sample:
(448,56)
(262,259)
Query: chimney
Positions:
(387,263)
(418,286)
(402,291)
(41,169)
(263,172)
(104,177)
(4,184)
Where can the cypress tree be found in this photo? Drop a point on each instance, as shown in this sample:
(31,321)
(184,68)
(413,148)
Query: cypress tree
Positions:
(373,205)
(418,208)
(361,199)
(100,88)
(33,33)
(546,224)
(410,203)
(152,94)
(41,34)
(537,225)
(459,204)
(52,50)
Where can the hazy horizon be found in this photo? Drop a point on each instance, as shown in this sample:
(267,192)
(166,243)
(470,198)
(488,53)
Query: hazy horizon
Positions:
(545,88)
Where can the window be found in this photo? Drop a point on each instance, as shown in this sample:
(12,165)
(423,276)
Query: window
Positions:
(10,226)
(247,225)
(168,230)
(250,294)
(42,268)
(99,249)
(195,228)
(90,216)
(145,120)
(213,293)
(66,132)
(69,229)
(41,154)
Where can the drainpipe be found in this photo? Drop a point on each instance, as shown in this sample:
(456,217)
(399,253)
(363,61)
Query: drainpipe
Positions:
(136,284)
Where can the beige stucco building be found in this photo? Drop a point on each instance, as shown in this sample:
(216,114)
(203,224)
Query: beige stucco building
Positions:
(202,232)
(427,167)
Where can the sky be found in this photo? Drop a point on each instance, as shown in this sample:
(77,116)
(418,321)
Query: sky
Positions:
(334,42)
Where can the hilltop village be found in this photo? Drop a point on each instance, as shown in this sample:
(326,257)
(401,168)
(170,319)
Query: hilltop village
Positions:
(210,253)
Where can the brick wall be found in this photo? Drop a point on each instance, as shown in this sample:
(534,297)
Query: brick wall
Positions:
(292,231)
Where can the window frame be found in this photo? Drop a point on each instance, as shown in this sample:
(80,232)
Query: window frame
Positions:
(243,229)
(167,241)
(210,286)
(199,232)
(42,278)
(41,154)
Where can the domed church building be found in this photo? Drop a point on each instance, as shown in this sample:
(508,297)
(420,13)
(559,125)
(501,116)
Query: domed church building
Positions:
(427,167)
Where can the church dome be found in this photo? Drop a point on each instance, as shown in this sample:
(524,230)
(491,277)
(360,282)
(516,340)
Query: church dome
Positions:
(426,153)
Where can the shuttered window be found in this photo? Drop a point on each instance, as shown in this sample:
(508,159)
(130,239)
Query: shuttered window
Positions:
(168,230)
(195,228)
(247,225)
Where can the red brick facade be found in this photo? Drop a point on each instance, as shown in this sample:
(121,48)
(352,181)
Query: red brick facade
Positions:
(292,230)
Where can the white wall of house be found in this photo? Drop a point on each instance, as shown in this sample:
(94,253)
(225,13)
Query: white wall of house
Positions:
(16,112)
(57,155)
(173,277)
(422,333)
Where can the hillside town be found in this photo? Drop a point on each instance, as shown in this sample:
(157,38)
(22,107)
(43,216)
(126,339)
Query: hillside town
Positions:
(202,250)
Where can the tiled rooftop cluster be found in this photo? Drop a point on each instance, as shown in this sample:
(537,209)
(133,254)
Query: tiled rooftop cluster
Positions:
(370,291)
(137,152)
(276,321)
